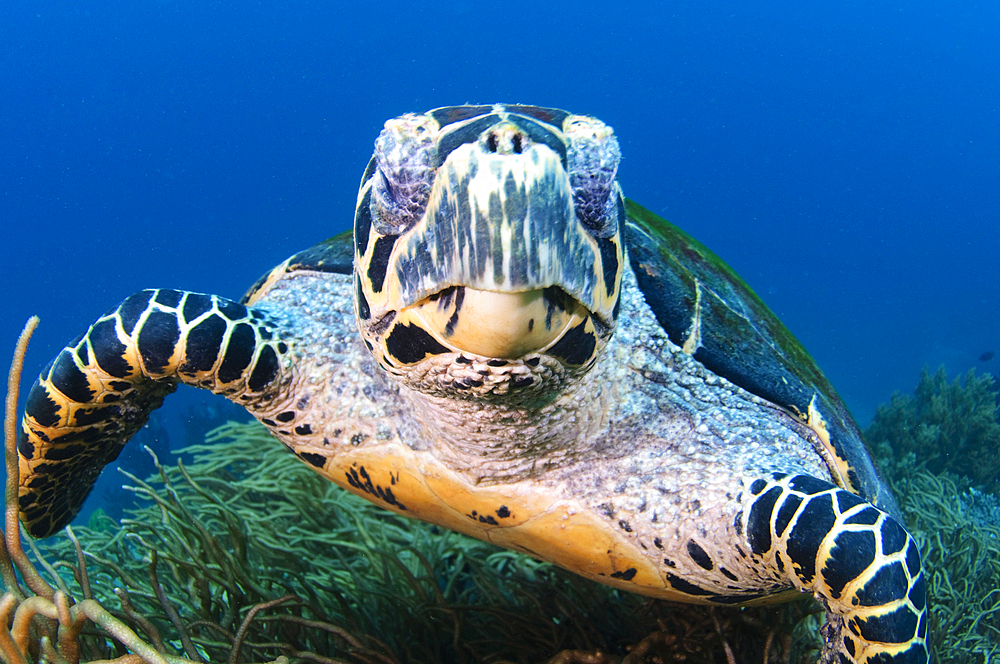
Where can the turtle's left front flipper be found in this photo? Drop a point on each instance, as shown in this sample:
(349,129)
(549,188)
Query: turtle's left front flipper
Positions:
(101,388)
(855,558)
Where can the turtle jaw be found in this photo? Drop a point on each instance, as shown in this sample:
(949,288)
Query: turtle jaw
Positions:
(498,325)
(475,343)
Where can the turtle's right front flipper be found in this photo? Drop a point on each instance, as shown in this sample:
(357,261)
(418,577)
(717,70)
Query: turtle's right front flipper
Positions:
(100,389)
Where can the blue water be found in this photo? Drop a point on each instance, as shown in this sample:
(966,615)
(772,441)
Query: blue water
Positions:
(843,157)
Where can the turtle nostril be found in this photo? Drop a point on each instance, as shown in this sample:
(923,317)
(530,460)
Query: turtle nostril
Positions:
(506,139)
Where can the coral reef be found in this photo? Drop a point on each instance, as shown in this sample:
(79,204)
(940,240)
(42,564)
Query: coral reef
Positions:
(940,451)
(944,427)
(961,552)
(238,553)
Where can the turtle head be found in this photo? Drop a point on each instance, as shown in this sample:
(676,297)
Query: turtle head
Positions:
(489,236)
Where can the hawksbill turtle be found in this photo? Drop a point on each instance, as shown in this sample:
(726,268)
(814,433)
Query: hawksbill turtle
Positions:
(508,347)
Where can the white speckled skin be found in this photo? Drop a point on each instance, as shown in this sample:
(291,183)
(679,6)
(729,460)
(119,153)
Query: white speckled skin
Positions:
(651,444)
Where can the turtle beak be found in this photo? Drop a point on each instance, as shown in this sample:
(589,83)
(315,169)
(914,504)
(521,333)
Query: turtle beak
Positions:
(497,325)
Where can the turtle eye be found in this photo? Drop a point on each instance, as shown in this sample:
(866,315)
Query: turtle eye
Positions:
(405,155)
(592,160)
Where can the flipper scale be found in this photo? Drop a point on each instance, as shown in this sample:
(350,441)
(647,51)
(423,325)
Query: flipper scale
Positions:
(855,558)
(100,390)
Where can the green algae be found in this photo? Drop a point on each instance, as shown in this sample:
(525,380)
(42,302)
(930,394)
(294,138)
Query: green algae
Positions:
(943,427)
(961,557)
(940,450)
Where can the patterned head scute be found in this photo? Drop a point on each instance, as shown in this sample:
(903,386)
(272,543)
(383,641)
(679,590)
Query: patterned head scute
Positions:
(509,209)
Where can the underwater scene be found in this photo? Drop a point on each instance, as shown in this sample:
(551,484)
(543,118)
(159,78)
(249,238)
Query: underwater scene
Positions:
(840,158)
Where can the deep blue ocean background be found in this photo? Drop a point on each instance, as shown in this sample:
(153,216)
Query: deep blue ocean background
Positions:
(843,157)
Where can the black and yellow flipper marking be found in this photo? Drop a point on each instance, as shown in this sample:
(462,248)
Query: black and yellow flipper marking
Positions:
(855,558)
(101,388)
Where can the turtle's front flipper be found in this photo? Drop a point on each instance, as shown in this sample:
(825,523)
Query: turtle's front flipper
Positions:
(853,557)
(100,389)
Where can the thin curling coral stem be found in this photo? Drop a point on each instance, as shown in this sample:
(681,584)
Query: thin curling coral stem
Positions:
(12,529)
(10,440)
(116,628)
(81,564)
(11,653)
(20,629)
(241,635)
